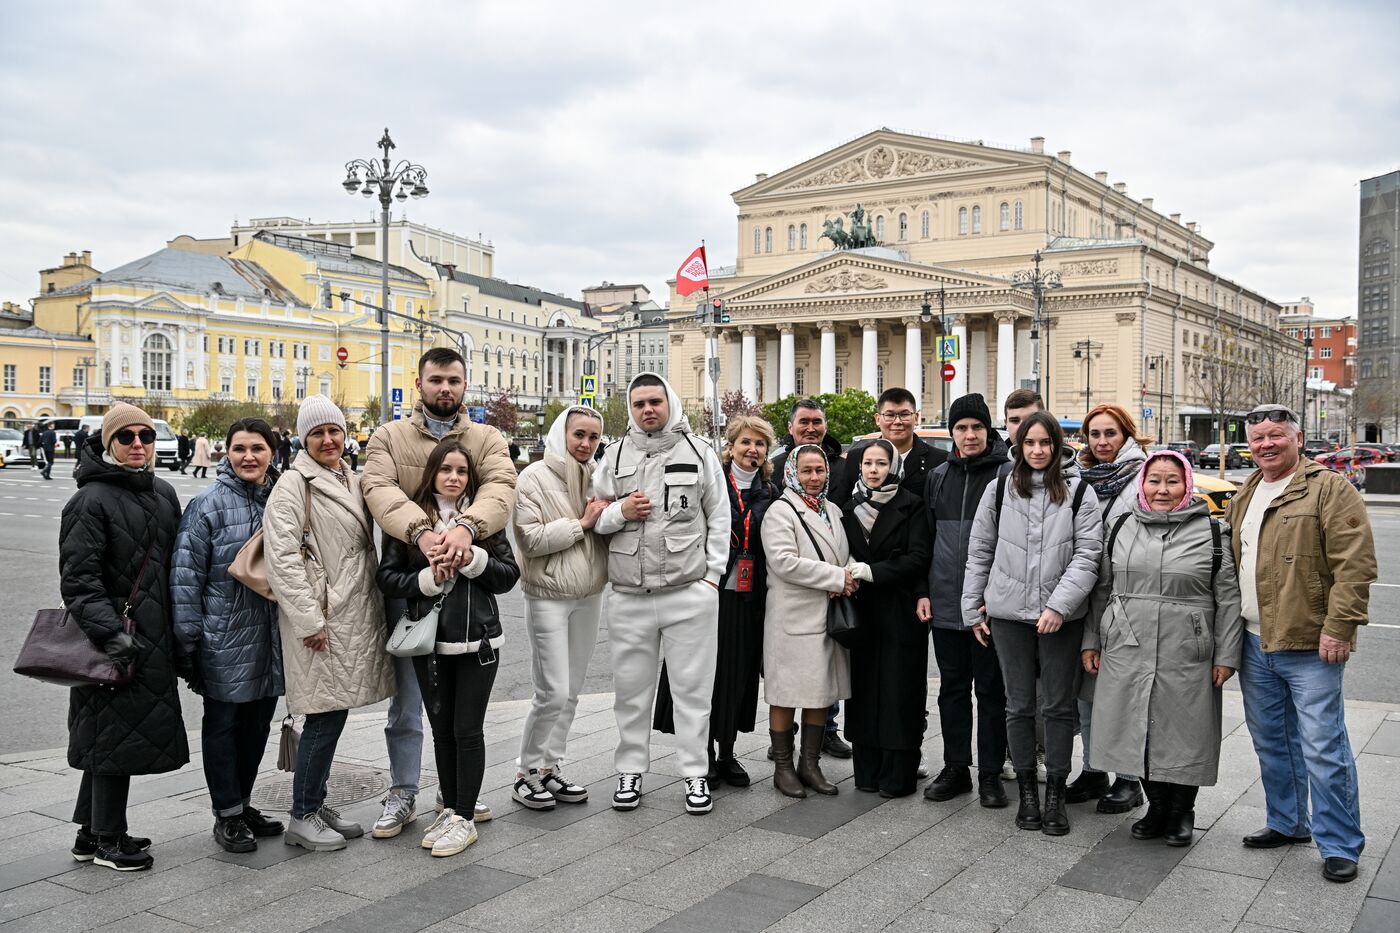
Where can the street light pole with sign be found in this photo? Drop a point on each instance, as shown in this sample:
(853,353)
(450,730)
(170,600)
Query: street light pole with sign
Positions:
(1037,283)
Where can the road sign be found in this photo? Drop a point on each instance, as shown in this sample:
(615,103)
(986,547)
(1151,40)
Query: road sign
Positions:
(949,348)
(342,354)
(1146,413)
(949,371)
(588,398)
(589,387)
(396,396)
(714,367)
(398,412)
(477,414)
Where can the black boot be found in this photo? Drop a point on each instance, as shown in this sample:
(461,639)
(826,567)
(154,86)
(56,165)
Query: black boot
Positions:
(1123,796)
(989,791)
(1154,823)
(1028,813)
(233,835)
(260,824)
(727,768)
(784,777)
(1090,785)
(952,781)
(1056,819)
(809,768)
(1181,821)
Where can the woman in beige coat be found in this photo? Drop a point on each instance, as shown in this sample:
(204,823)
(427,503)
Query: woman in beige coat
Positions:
(805,546)
(563,570)
(201,460)
(330,612)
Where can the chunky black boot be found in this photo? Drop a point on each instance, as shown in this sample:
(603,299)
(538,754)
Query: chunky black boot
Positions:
(1056,819)
(1154,823)
(1181,821)
(1090,785)
(1123,796)
(1028,813)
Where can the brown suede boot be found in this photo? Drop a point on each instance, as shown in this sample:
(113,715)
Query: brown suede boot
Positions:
(784,778)
(809,769)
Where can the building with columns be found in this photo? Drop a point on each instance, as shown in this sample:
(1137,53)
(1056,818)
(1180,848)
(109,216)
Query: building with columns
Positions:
(952,223)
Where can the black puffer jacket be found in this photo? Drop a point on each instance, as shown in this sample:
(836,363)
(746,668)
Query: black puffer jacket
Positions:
(951,493)
(469,612)
(107,526)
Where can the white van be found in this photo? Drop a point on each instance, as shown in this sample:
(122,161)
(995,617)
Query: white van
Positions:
(167,444)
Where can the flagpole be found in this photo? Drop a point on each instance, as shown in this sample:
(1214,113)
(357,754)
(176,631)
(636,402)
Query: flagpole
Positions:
(711,347)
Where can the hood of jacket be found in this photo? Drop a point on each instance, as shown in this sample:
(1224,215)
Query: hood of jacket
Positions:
(677,421)
(555,442)
(577,477)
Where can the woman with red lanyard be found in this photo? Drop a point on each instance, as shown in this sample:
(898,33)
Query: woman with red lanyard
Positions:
(742,591)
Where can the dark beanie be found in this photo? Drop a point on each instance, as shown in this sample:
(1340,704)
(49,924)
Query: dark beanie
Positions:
(971,405)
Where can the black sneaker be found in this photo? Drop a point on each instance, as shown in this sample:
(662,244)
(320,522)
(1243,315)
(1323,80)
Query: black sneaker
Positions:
(85,846)
(233,835)
(120,853)
(262,826)
(629,792)
(951,781)
(833,745)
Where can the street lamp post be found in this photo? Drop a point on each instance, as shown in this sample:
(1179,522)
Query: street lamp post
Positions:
(1084,350)
(403,181)
(926,315)
(1158,364)
(1037,283)
(86,363)
(1307,358)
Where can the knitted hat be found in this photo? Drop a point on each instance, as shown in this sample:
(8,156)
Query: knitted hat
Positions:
(971,405)
(123,415)
(315,411)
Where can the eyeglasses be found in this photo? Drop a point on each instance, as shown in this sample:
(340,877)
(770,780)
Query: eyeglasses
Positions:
(1277,415)
(126,436)
(898,415)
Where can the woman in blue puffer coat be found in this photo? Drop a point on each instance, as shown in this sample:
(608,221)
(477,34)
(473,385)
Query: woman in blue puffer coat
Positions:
(230,649)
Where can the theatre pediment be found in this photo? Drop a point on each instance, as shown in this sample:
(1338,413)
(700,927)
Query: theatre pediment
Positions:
(857,274)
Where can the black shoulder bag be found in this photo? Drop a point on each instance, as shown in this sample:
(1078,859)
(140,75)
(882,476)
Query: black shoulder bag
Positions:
(842,623)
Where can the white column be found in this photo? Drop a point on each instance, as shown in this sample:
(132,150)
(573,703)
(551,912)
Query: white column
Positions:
(957,324)
(787,361)
(914,359)
(748,365)
(770,369)
(828,360)
(1006,358)
(570,374)
(733,363)
(870,357)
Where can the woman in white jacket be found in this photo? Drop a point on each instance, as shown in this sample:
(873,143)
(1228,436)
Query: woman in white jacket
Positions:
(563,570)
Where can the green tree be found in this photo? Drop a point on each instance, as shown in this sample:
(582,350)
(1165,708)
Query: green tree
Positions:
(370,418)
(848,414)
(213,418)
(552,409)
(615,416)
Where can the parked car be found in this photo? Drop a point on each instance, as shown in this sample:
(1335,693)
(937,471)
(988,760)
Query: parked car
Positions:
(1210,458)
(1351,457)
(1246,457)
(1188,449)
(1217,492)
(1315,449)
(933,436)
(10,450)
(1390,451)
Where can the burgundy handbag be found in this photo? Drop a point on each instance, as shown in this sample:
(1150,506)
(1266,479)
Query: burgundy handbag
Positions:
(58,651)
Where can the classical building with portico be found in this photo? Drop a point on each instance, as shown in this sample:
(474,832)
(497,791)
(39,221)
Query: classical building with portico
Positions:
(1132,311)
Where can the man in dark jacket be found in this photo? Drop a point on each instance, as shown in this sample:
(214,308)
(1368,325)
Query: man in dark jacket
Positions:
(48,443)
(951,494)
(31,445)
(185,451)
(897,414)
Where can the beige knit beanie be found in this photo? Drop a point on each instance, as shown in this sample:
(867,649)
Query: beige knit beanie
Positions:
(123,415)
(315,411)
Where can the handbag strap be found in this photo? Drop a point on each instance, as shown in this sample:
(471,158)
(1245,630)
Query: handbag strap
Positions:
(145,562)
(811,537)
(306,514)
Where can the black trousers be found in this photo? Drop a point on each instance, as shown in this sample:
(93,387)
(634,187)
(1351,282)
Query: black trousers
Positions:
(456,694)
(101,804)
(234,739)
(1019,649)
(895,771)
(965,668)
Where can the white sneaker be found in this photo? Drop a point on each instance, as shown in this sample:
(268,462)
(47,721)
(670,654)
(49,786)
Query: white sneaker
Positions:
(460,833)
(922,773)
(1040,774)
(530,792)
(564,790)
(332,818)
(697,796)
(398,813)
(481,813)
(438,827)
(629,792)
(313,833)
(437,803)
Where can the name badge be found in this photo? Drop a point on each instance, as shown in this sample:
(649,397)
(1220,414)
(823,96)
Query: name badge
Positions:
(743,574)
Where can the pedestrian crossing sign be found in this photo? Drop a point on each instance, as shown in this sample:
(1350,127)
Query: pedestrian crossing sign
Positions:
(948,349)
(589,386)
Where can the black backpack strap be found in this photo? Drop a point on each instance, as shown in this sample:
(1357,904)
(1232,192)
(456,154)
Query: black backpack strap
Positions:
(1217,551)
(1001,497)
(935,484)
(1113,535)
(1078,497)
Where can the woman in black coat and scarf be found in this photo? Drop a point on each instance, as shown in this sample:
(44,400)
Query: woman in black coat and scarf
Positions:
(116,538)
(887,527)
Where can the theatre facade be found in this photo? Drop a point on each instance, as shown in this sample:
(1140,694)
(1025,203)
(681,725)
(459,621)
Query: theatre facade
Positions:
(839,254)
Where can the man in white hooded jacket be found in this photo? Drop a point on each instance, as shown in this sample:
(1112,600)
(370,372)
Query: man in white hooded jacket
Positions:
(668,545)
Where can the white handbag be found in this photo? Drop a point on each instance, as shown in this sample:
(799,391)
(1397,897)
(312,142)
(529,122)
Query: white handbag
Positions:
(412,638)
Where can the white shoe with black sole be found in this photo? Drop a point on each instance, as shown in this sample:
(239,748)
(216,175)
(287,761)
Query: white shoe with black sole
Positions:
(564,790)
(697,796)
(629,792)
(531,792)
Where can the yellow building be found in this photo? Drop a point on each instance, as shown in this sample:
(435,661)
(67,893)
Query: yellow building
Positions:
(39,368)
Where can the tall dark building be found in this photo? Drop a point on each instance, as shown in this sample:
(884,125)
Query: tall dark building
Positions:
(1378,324)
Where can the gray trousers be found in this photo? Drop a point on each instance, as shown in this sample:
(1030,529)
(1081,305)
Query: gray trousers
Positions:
(1022,651)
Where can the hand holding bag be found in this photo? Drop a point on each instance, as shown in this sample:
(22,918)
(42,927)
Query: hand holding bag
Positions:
(412,638)
(842,623)
(249,565)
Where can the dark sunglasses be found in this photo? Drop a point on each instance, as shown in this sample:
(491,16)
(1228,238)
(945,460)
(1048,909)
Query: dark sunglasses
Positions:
(1277,415)
(126,436)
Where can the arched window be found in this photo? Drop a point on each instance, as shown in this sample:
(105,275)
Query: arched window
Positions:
(880,229)
(1382,368)
(977,219)
(792,237)
(903,227)
(1365,369)
(768,239)
(879,379)
(962,221)
(1020,216)
(923,225)
(803,232)
(757,241)
(499,356)
(840,380)
(1004,222)
(155,363)
(799,381)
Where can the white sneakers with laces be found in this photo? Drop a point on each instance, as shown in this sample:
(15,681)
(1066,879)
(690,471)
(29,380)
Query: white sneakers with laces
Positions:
(629,792)
(458,832)
(697,796)
(398,813)
(531,792)
(438,827)
(564,790)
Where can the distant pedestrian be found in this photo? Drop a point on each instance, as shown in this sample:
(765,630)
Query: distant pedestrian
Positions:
(185,451)
(48,443)
(67,446)
(284,452)
(201,460)
(31,444)
(80,439)
(352,452)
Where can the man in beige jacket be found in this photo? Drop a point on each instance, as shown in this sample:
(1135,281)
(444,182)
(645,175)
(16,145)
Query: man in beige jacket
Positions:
(394,459)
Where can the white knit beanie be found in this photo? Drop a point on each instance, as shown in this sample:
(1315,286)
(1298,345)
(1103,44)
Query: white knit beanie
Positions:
(315,411)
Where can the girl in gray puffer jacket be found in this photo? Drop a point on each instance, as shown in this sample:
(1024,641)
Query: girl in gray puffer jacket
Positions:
(1032,562)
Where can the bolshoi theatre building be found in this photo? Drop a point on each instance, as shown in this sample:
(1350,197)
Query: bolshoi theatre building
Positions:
(839,254)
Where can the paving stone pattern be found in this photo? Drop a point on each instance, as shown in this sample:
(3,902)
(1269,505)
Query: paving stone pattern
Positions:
(760,861)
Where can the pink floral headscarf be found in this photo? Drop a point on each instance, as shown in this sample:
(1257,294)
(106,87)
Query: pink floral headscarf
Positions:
(1185,465)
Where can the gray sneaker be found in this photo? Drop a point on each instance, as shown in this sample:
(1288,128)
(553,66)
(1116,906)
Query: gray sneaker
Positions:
(398,813)
(313,833)
(481,813)
(332,818)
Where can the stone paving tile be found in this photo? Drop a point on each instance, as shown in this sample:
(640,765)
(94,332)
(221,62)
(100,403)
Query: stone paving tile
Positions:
(1123,867)
(694,877)
(550,851)
(1221,850)
(1378,915)
(1297,897)
(176,853)
(1387,883)
(31,898)
(683,833)
(1196,900)
(1001,883)
(51,863)
(819,814)
(608,914)
(304,910)
(242,894)
(146,922)
(923,921)
(417,906)
(750,904)
(1067,910)
(1363,725)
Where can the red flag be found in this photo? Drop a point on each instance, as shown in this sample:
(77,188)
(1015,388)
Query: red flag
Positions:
(693,274)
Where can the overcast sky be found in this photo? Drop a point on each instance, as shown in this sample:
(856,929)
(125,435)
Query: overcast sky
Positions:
(602,140)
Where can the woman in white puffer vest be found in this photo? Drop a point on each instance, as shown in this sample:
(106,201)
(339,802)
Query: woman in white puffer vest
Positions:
(563,569)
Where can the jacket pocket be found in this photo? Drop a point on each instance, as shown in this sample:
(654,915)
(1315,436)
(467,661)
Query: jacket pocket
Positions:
(1317,596)
(685,557)
(680,499)
(624,558)
(1201,632)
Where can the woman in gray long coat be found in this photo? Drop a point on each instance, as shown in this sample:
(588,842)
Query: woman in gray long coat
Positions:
(1168,636)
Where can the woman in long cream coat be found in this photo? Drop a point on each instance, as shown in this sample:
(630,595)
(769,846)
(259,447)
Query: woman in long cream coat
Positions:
(330,612)
(802,667)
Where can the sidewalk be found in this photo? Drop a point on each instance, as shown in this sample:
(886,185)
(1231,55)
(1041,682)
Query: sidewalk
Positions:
(759,861)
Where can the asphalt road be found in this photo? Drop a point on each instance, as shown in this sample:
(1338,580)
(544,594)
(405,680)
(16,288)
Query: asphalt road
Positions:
(37,713)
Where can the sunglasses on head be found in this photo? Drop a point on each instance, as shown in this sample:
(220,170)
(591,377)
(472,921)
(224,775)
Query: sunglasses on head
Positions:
(1278,415)
(126,436)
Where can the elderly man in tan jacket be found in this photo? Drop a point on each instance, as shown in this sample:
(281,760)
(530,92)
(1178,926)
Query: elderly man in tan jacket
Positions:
(394,459)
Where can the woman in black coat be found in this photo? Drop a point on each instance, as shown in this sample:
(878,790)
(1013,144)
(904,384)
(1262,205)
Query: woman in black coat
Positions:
(887,527)
(122,519)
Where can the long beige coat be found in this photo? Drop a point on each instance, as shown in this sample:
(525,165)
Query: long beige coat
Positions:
(335,592)
(802,668)
(201,456)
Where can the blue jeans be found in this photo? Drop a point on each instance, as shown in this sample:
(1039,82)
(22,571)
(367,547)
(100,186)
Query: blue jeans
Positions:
(319,736)
(1294,707)
(832,712)
(403,732)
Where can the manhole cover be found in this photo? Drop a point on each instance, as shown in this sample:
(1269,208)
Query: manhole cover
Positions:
(348,784)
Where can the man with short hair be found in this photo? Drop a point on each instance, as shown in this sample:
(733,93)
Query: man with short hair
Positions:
(48,443)
(668,546)
(183,450)
(897,415)
(31,444)
(395,456)
(1306,559)
(1019,405)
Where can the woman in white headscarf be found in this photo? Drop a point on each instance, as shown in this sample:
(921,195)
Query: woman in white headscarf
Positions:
(563,570)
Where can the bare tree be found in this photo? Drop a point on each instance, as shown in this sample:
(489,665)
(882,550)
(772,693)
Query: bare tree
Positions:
(1225,379)
(1278,379)
(1376,401)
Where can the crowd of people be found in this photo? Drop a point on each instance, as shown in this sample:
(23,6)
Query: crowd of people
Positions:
(1066,591)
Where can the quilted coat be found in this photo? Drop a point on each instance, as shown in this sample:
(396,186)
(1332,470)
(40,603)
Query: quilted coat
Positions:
(332,590)
(230,630)
(112,519)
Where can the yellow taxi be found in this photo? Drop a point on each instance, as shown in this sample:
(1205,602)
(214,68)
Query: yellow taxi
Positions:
(1217,492)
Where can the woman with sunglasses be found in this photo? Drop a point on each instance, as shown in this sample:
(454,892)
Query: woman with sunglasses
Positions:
(114,549)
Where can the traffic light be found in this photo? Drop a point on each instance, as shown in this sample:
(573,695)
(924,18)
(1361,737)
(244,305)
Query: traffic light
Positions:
(720,316)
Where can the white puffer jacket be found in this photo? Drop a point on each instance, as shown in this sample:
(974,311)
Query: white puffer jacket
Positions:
(558,559)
